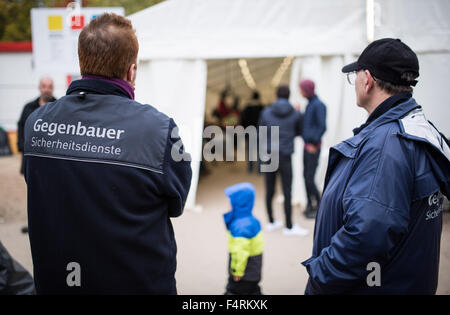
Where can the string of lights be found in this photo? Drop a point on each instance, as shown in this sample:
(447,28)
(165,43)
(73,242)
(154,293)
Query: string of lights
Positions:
(281,70)
(246,74)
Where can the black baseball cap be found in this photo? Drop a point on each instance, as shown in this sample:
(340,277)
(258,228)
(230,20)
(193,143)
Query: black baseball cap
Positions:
(387,59)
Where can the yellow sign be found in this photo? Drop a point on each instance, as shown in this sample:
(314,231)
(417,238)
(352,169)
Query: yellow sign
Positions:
(55,23)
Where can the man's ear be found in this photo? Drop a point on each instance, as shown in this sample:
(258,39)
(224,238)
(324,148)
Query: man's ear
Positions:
(131,74)
(368,81)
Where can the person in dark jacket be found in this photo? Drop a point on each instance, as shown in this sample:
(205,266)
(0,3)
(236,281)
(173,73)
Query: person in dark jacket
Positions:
(282,115)
(4,143)
(245,241)
(314,126)
(46,96)
(250,117)
(14,279)
(379,223)
(105,174)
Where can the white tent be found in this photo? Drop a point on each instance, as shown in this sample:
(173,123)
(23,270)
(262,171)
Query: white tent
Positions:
(180,40)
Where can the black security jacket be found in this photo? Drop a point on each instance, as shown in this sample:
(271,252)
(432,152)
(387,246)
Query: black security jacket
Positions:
(102,186)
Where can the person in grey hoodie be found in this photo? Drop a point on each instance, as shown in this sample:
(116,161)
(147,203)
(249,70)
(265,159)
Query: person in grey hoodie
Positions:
(282,114)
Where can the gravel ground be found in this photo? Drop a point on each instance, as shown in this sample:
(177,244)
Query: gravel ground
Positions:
(201,236)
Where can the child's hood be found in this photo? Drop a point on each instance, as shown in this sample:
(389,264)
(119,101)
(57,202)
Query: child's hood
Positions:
(242,198)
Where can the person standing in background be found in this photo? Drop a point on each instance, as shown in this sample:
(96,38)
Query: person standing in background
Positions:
(245,242)
(249,117)
(314,126)
(282,115)
(46,96)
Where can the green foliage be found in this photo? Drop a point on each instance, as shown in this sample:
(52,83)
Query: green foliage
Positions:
(15,23)
(15,19)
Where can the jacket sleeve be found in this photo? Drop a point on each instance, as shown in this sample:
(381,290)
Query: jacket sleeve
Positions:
(239,248)
(320,117)
(243,119)
(262,119)
(177,172)
(14,279)
(21,130)
(376,216)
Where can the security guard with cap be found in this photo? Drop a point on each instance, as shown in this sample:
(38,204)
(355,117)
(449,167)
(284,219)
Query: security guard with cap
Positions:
(379,223)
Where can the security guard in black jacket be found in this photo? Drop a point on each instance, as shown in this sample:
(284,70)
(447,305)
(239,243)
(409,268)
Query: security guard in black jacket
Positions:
(102,180)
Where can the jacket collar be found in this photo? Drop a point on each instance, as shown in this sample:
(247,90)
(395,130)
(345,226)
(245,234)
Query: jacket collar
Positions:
(35,103)
(281,101)
(312,98)
(349,147)
(395,113)
(96,87)
(119,82)
(383,108)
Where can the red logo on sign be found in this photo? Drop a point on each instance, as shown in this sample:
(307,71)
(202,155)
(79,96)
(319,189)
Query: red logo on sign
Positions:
(77,22)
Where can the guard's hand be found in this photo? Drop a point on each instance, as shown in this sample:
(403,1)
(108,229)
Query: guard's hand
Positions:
(237,278)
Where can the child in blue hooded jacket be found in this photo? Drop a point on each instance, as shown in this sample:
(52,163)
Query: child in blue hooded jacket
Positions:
(245,241)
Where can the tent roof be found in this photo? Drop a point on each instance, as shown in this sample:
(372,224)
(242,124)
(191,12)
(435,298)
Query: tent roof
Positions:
(221,29)
(218,29)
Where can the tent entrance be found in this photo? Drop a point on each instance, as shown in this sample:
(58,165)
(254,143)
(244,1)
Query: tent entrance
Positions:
(228,73)
(232,82)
